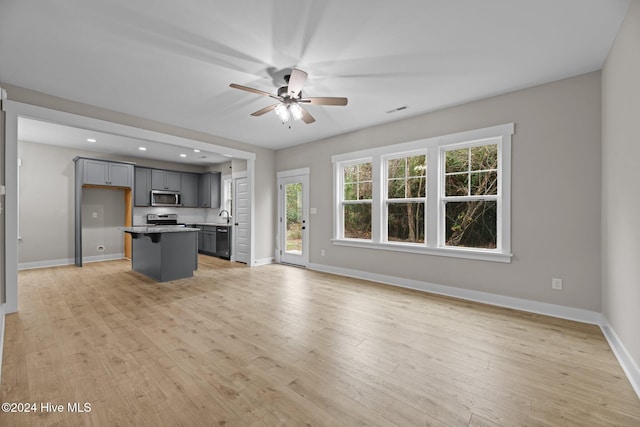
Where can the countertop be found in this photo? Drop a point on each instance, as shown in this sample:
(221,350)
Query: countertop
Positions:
(214,224)
(157,229)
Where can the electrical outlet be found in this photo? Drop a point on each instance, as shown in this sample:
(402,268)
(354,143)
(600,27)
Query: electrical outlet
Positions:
(556,284)
(321,252)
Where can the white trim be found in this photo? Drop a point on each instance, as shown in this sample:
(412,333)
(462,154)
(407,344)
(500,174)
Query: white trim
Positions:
(627,363)
(293,172)
(68,261)
(238,175)
(420,248)
(263,261)
(560,311)
(434,149)
(11,209)
(466,136)
(70,119)
(16,109)
(283,178)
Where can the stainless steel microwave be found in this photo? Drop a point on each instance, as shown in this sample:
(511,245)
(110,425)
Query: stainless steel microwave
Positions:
(165,198)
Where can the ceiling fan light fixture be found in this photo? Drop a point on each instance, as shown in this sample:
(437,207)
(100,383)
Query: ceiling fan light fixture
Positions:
(289,97)
(283,112)
(296,111)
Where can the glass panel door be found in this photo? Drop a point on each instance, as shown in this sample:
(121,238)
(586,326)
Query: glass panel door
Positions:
(294,219)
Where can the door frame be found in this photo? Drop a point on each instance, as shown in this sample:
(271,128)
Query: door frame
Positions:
(303,174)
(15,109)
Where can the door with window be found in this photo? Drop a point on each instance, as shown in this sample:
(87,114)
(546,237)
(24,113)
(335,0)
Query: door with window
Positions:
(294,217)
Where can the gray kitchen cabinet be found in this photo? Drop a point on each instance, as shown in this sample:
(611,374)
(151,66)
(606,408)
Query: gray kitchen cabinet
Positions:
(200,239)
(142,188)
(208,240)
(210,190)
(100,172)
(94,172)
(165,180)
(189,190)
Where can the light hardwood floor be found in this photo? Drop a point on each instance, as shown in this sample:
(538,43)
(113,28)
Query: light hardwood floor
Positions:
(277,345)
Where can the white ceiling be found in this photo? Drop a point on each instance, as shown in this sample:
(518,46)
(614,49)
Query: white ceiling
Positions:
(89,140)
(173,61)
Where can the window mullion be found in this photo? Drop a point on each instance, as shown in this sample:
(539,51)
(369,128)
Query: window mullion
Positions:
(378,211)
(433,186)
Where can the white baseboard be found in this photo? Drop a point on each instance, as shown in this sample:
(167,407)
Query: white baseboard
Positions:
(563,312)
(262,261)
(67,261)
(585,316)
(629,366)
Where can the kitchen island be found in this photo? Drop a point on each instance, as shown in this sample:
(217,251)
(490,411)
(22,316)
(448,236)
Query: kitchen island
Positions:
(164,253)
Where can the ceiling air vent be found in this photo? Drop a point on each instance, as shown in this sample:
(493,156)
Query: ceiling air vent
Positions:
(404,107)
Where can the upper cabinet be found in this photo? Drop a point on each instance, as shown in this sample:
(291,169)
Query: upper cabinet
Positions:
(166,180)
(189,190)
(100,172)
(210,190)
(196,190)
(142,189)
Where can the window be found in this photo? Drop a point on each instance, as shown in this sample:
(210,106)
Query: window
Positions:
(227,195)
(356,200)
(406,198)
(470,196)
(448,195)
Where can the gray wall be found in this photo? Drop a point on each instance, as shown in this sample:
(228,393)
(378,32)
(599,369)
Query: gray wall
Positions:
(103,228)
(555,195)
(45,211)
(620,202)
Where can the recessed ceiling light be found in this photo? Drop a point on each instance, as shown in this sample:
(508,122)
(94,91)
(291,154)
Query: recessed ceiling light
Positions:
(183,155)
(227,155)
(142,148)
(91,140)
(195,150)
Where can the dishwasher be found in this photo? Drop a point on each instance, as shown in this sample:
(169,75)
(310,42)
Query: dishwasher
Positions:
(223,242)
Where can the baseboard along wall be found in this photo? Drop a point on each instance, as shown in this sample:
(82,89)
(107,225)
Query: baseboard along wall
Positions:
(627,363)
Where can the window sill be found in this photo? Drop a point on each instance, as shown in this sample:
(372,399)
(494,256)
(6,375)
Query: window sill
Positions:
(475,254)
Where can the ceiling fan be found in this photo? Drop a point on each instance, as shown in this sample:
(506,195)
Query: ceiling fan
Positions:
(290,97)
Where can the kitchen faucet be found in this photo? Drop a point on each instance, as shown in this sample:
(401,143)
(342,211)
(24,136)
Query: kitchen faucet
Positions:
(228,217)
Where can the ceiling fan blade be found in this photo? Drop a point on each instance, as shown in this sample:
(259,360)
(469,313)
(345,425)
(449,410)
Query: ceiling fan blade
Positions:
(325,100)
(252,90)
(306,117)
(264,110)
(296,80)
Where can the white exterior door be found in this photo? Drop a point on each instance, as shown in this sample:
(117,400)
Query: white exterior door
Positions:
(242,235)
(293,223)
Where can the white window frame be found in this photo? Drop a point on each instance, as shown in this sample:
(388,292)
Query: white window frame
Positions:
(227,197)
(434,204)
(339,191)
(386,200)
